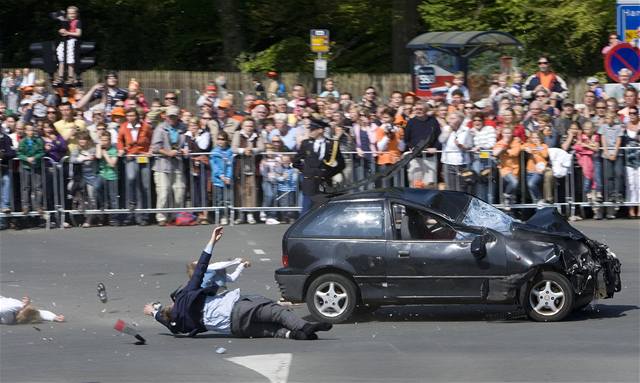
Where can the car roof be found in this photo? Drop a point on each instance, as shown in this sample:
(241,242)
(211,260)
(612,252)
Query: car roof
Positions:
(449,203)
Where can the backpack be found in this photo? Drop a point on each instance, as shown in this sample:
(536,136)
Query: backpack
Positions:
(185,219)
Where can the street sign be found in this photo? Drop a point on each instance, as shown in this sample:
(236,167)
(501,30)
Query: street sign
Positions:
(320,68)
(621,56)
(320,40)
(628,20)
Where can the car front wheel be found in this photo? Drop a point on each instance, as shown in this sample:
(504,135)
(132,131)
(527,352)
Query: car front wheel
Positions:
(331,298)
(549,298)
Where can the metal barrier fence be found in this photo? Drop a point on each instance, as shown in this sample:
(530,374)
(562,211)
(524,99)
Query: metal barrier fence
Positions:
(71,192)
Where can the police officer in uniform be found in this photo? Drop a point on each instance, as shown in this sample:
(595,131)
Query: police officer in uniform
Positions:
(318,159)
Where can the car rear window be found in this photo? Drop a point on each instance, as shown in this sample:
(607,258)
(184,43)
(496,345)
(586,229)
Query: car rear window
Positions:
(346,220)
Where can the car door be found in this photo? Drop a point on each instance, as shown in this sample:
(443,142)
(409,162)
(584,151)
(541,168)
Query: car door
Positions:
(430,260)
(350,236)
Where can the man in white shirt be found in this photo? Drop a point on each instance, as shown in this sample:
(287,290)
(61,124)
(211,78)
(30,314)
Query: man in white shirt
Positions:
(455,151)
(197,309)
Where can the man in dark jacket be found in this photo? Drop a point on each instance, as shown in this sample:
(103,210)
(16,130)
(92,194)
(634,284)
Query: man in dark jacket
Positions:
(318,159)
(196,309)
(7,153)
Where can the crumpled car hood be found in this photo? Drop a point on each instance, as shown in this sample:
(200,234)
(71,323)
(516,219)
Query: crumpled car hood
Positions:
(549,221)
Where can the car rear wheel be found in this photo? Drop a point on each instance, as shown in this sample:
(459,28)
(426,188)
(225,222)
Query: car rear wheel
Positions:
(549,298)
(331,298)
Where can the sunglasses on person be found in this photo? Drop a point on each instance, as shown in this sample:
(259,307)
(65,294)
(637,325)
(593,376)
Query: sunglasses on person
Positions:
(633,113)
(543,62)
(221,139)
(51,112)
(170,98)
(477,120)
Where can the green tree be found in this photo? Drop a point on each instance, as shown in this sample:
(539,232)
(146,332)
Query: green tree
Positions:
(569,32)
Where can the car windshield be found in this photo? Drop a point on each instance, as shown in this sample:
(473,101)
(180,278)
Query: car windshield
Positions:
(480,213)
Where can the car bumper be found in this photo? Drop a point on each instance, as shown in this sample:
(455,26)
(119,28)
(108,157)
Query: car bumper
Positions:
(291,285)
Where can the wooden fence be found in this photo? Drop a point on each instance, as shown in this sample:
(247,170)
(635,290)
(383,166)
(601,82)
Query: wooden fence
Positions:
(190,84)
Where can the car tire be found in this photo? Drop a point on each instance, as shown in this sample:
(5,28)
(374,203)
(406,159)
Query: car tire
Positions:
(331,298)
(544,293)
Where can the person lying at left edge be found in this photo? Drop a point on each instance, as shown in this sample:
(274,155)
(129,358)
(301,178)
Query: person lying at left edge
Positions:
(196,309)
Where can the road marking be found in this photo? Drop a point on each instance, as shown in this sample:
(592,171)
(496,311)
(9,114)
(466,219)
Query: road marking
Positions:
(273,366)
(258,251)
(265,259)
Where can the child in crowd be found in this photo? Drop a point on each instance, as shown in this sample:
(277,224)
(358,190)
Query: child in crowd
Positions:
(70,34)
(269,168)
(586,152)
(30,152)
(287,179)
(458,84)
(537,159)
(221,161)
(107,155)
(198,140)
(83,185)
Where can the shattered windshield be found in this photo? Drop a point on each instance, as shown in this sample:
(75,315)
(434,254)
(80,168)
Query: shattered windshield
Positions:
(480,213)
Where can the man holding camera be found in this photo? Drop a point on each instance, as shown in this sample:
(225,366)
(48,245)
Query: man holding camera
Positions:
(108,93)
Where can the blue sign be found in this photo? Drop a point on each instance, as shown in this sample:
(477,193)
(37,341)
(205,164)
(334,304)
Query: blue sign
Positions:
(622,56)
(628,20)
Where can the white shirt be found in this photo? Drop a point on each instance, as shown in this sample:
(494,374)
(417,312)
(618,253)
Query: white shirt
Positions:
(9,307)
(319,147)
(451,153)
(216,314)
(134,129)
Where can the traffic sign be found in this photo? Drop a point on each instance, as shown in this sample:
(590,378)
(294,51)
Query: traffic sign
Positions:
(622,56)
(628,20)
(320,68)
(319,40)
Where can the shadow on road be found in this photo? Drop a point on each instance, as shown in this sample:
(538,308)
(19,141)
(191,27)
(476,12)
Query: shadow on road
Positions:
(473,313)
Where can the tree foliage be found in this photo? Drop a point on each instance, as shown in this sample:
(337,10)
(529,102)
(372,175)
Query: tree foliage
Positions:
(258,35)
(570,32)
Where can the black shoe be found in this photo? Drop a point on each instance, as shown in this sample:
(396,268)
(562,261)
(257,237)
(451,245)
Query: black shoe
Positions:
(299,335)
(313,327)
(102,292)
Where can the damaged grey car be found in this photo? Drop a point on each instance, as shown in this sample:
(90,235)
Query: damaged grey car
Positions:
(414,246)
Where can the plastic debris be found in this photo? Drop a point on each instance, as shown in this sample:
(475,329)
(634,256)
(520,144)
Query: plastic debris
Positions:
(141,275)
(221,350)
(36,328)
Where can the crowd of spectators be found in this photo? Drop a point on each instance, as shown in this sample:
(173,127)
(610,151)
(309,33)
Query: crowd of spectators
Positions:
(122,151)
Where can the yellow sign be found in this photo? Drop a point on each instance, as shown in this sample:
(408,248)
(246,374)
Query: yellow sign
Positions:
(320,40)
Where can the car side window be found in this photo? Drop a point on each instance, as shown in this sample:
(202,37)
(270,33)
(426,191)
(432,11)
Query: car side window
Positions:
(411,224)
(347,220)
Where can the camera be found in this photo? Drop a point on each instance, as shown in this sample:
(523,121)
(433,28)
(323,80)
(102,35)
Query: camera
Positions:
(58,15)
(388,128)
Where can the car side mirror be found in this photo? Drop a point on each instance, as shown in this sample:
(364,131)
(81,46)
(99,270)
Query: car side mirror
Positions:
(479,246)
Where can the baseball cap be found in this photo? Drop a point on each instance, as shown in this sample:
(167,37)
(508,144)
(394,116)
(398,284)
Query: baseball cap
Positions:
(592,81)
(211,88)
(173,111)
(224,104)
(118,111)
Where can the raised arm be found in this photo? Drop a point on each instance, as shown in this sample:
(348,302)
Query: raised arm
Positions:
(203,262)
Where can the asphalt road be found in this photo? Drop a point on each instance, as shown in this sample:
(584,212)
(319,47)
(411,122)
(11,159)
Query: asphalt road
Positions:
(60,270)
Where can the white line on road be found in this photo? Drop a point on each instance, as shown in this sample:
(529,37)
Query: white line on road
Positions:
(258,251)
(274,366)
